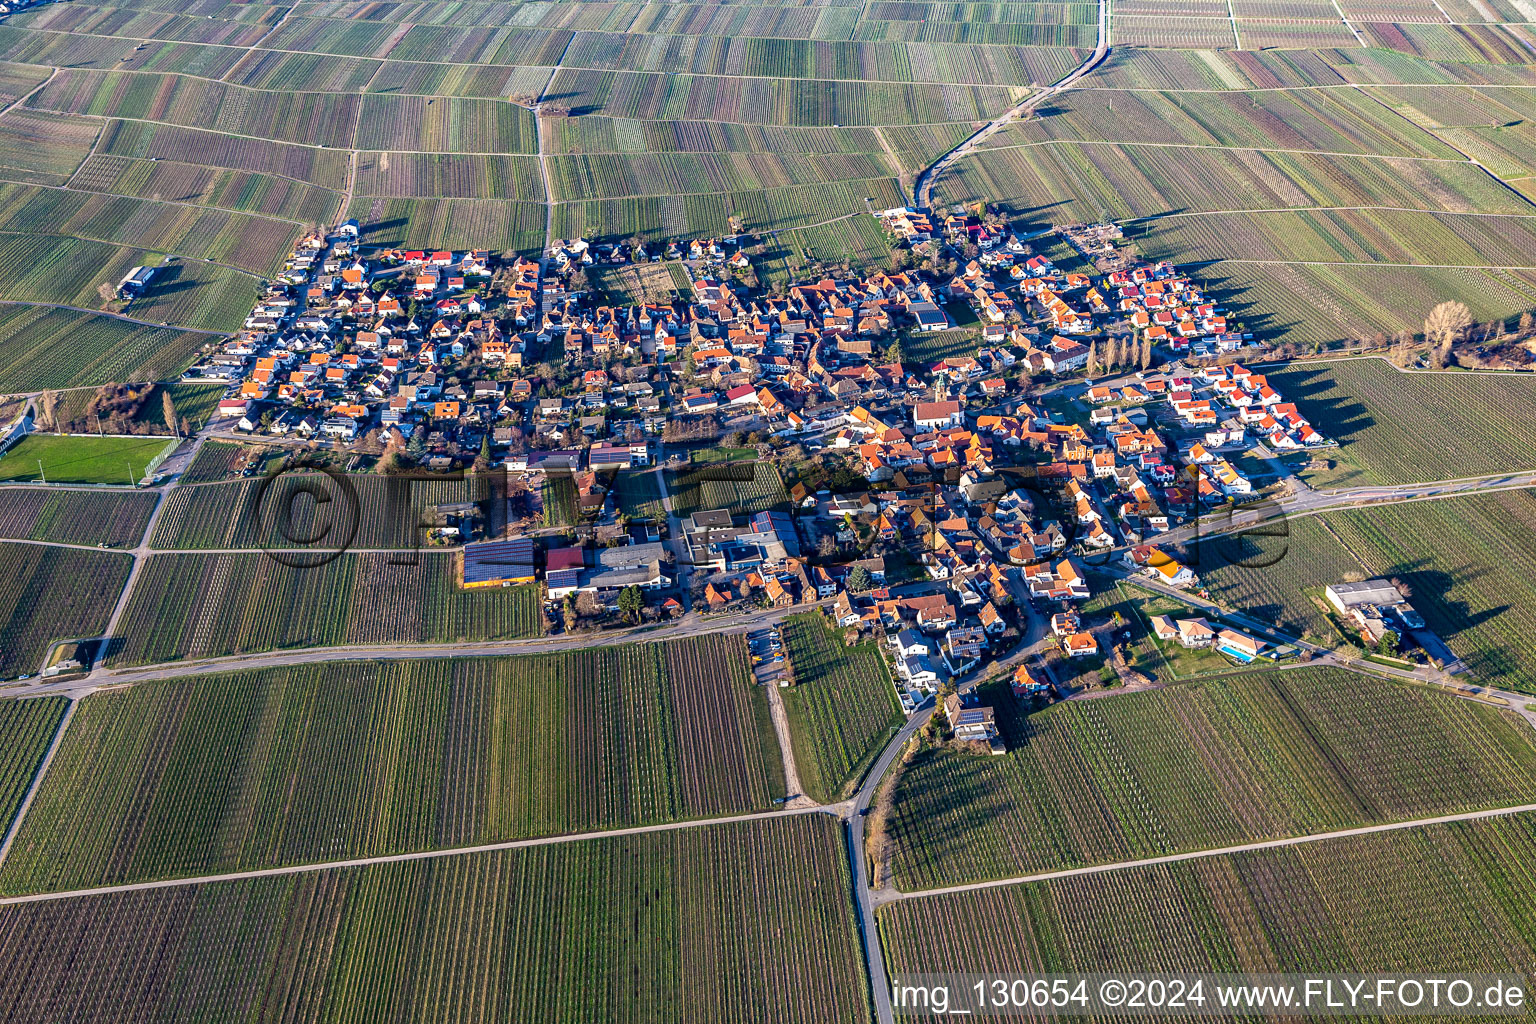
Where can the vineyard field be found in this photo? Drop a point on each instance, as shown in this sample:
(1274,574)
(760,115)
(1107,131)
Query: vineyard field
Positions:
(54,594)
(842,708)
(114,518)
(255,245)
(216,461)
(1203,764)
(510,226)
(1410,427)
(253,513)
(33,355)
(146,140)
(1452,895)
(193,606)
(647,929)
(45,148)
(638,495)
(1465,563)
(353,759)
(743,488)
(1091,180)
(27,728)
(237,190)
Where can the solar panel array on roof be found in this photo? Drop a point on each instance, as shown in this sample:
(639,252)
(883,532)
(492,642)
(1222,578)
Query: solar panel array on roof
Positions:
(498,561)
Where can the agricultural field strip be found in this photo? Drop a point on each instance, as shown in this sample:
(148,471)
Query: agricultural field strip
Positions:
(1363,91)
(37,779)
(122,245)
(879,896)
(1357,263)
(160,202)
(459,851)
(447,64)
(429,649)
(111,316)
(889,895)
(456,152)
(1319,209)
(187,163)
(18,101)
(1201,145)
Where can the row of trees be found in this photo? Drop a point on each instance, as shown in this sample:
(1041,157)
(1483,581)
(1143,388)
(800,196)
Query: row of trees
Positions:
(1118,353)
(114,409)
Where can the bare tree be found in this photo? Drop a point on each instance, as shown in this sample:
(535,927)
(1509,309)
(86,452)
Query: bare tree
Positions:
(47,410)
(1446,324)
(1093,358)
(168,409)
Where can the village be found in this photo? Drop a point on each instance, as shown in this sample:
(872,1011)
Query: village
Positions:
(947,505)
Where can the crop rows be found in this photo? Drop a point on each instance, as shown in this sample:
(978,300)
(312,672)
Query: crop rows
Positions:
(215,461)
(47,347)
(1467,564)
(1148,181)
(448,175)
(842,60)
(27,728)
(665,97)
(42,147)
(144,140)
(842,707)
(452,124)
(295,508)
(53,593)
(309,118)
(132,24)
(407,77)
(312,763)
(113,518)
(748,922)
(253,244)
(638,495)
(191,606)
(1407,427)
(1456,896)
(451,223)
(609,174)
(743,488)
(1330,121)
(594,134)
(1340,302)
(302,72)
(683,216)
(240,191)
(1204,764)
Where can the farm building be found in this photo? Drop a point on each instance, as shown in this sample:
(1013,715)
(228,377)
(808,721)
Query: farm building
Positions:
(134,282)
(498,563)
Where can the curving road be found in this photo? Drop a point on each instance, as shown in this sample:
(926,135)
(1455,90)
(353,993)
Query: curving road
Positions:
(922,190)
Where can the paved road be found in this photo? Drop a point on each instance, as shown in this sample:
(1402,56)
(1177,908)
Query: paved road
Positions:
(922,191)
(1311,502)
(1173,858)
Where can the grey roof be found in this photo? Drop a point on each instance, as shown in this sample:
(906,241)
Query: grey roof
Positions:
(629,556)
(1377,591)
